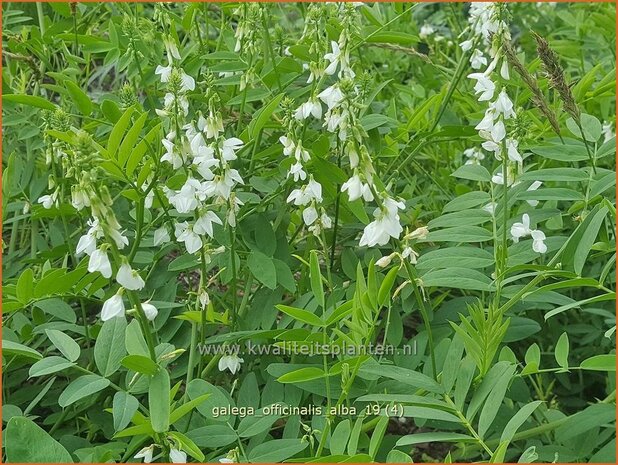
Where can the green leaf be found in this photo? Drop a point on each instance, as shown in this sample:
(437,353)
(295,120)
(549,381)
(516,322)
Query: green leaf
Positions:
(303,374)
(276,450)
(585,239)
(562,351)
(109,348)
(585,421)
(30,100)
(129,141)
(473,173)
(422,438)
(340,436)
(494,401)
(553,193)
(459,234)
(140,364)
(84,386)
(518,419)
(79,97)
(26,442)
(213,436)
(463,257)
(263,116)
(403,375)
(115,137)
(468,200)
(65,344)
(263,269)
(159,401)
(600,363)
(555,174)
(124,407)
(19,350)
(185,408)
(461,278)
(386,286)
(301,315)
(254,425)
(316,278)
(377,436)
(590,126)
(49,365)
(25,286)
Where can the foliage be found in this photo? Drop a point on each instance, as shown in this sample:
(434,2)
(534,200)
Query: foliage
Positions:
(183,182)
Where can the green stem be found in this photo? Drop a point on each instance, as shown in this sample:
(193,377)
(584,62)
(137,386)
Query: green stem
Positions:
(424,314)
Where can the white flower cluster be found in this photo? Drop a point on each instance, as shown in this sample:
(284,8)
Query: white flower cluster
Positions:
(204,153)
(342,118)
(489,28)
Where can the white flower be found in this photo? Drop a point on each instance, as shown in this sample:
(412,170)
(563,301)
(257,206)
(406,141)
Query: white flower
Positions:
(385,225)
(357,189)
(490,207)
(213,125)
(165,72)
(483,86)
(410,254)
(113,307)
(184,233)
(504,105)
(170,155)
(203,225)
(334,57)
(150,310)
(534,186)
(79,198)
(146,453)
(184,201)
(230,147)
(511,150)
(477,60)
(297,171)
(466,45)
(129,278)
(204,298)
(88,242)
(288,145)
(48,201)
(332,96)
(231,362)
(310,214)
(384,261)
(226,460)
(538,244)
(304,195)
(100,262)
(474,156)
(608,133)
(426,31)
(188,83)
(519,230)
(504,70)
(178,456)
(418,233)
(161,236)
(309,108)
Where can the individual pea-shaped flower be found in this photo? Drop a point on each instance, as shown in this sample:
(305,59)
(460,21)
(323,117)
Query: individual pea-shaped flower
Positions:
(146,453)
(178,456)
(230,362)
(129,278)
(113,307)
(99,261)
(150,310)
